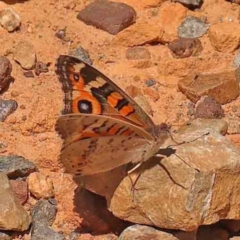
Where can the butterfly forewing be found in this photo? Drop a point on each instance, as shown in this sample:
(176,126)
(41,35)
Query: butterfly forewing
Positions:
(89,91)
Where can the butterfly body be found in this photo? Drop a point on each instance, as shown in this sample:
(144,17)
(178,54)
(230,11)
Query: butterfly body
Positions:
(102,127)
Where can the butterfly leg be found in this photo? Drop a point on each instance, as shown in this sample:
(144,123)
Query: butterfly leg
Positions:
(134,181)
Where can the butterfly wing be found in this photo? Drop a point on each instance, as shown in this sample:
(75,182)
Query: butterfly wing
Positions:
(88,91)
(94,144)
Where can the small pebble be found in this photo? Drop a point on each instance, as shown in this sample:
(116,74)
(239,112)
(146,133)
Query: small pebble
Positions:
(209,108)
(192,27)
(28,74)
(6,108)
(61,33)
(9,20)
(40,186)
(150,82)
(81,53)
(5,72)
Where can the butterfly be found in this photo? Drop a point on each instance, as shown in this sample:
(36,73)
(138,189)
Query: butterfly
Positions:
(101,125)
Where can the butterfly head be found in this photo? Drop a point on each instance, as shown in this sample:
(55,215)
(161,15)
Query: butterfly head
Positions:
(160,132)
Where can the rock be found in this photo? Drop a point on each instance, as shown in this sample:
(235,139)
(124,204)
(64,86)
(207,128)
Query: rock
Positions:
(233,226)
(97,219)
(212,233)
(181,235)
(40,186)
(28,74)
(20,190)
(198,185)
(111,17)
(41,68)
(225,37)
(137,232)
(61,33)
(81,53)
(16,166)
(25,55)
(233,119)
(12,214)
(44,212)
(223,87)
(192,27)
(208,107)
(5,72)
(137,53)
(236,62)
(190,3)
(185,47)
(9,20)
(139,34)
(170,17)
(40,232)
(150,82)
(6,108)
(5,236)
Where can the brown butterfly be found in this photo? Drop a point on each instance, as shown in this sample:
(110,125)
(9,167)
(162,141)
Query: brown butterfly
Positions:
(102,126)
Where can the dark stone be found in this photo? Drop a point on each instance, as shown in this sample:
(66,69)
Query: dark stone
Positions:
(61,33)
(185,47)
(192,27)
(81,54)
(150,82)
(42,231)
(111,17)
(5,72)
(6,108)
(209,108)
(16,166)
(44,212)
(28,74)
(192,4)
(137,53)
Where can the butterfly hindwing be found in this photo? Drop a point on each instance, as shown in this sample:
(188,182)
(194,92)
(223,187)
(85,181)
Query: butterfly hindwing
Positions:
(88,91)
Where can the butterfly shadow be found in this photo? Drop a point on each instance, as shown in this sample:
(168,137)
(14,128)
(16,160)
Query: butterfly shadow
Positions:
(91,204)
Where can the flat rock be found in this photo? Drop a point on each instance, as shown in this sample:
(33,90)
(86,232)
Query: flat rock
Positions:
(196,185)
(139,34)
(6,108)
(111,17)
(12,215)
(9,20)
(16,166)
(40,186)
(25,55)
(5,72)
(223,87)
(137,232)
(225,37)
(185,47)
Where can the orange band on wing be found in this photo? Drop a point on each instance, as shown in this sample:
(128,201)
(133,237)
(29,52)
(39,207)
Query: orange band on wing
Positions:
(126,110)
